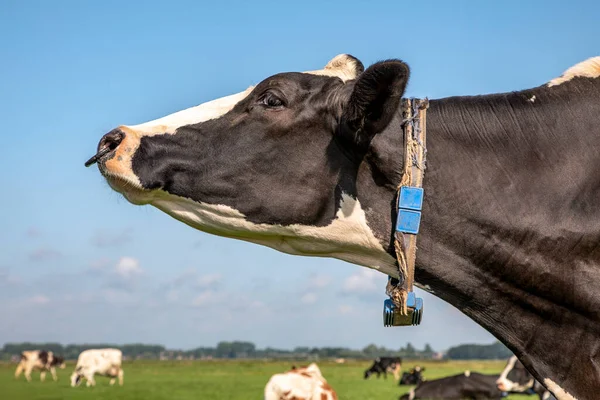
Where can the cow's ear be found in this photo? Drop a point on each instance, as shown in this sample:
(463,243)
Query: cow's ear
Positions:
(374,99)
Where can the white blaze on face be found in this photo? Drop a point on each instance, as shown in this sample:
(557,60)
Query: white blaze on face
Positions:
(193,115)
(347,237)
(558,392)
(341,66)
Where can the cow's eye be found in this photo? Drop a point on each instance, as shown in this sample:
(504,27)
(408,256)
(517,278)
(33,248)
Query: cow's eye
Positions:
(271,100)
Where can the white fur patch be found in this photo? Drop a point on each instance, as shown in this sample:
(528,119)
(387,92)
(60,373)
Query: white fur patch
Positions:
(558,392)
(347,238)
(193,115)
(546,395)
(589,68)
(342,66)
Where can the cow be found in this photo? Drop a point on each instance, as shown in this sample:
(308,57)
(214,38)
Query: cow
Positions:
(104,362)
(385,365)
(304,383)
(39,360)
(468,385)
(516,379)
(413,377)
(309,163)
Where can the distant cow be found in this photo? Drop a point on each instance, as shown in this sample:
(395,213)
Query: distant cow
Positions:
(104,362)
(516,379)
(412,377)
(468,385)
(305,383)
(385,365)
(40,360)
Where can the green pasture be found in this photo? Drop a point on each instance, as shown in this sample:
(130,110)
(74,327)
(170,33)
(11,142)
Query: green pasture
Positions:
(221,380)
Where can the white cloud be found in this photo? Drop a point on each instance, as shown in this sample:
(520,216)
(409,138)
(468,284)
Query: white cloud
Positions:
(209,281)
(365,281)
(345,309)
(6,279)
(39,300)
(205,298)
(128,267)
(318,281)
(309,298)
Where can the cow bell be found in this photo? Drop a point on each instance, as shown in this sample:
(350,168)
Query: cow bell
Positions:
(392,316)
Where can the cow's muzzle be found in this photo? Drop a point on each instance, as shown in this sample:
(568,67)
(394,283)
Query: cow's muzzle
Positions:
(108,144)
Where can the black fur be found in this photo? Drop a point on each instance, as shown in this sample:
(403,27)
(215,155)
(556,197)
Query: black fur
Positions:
(474,386)
(412,377)
(43,357)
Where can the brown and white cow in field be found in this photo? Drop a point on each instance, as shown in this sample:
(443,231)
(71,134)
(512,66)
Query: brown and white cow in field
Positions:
(104,362)
(39,360)
(305,383)
(309,164)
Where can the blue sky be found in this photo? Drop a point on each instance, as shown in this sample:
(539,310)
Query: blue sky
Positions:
(81,262)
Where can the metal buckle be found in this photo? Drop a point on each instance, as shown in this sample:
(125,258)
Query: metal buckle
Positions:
(392,316)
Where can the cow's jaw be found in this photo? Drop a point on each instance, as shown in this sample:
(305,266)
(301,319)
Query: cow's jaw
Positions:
(347,237)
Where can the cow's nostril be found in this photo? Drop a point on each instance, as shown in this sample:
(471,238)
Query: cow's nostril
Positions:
(107,144)
(111,140)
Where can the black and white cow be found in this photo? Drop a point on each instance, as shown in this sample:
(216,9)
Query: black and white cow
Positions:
(468,385)
(413,377)
(39,360)
(309,163)
(383,365)
(516,379)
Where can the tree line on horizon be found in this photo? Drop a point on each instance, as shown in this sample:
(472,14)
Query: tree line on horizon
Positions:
(243,349)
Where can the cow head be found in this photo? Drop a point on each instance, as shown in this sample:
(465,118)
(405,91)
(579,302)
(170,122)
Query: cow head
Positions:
(76,377)
(515,377)
(58,362)
(275,164)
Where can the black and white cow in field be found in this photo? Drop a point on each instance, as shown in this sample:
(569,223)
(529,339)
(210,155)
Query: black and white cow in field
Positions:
(468,385)
(413,377)
(39,360)
(383,365)
(516,379)
(309,163)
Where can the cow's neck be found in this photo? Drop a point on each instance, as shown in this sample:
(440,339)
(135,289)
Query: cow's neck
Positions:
(510,225)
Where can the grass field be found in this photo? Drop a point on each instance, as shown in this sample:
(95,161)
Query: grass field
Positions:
(221,380)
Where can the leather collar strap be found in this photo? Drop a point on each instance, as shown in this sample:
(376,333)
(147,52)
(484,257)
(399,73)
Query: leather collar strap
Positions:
(409,204)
